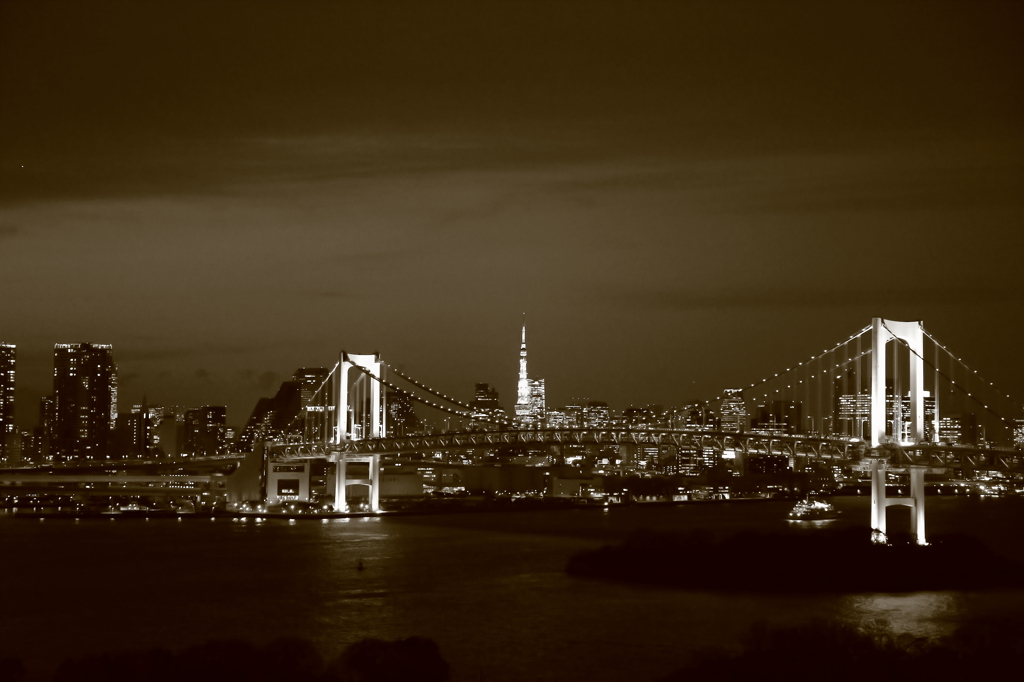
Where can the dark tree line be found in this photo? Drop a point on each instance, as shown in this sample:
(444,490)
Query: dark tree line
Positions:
(295,660)
(832,650)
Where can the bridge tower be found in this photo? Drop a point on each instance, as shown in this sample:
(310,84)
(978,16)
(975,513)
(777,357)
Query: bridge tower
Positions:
(883,331)
(360,415)
(912,334)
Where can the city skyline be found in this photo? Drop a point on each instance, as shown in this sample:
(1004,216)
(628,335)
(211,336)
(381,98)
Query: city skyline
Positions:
(81,418)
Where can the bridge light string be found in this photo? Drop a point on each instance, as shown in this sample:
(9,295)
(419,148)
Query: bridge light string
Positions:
(822,373)
(965,366)
(951,381)
(427,388)
(467,415)
(813,358)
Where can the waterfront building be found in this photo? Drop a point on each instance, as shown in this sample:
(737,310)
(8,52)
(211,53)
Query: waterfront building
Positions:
(204,431)
(1018,434)
(168,433)
(854,413)
(597,415)
(296,412)
(538,404)
(130,438)
(779,417)
(958,429)
(486,412)
(642,417)
(316,410)
(557,419)
(574,415)
(8,431)
(734,410)
(84,401)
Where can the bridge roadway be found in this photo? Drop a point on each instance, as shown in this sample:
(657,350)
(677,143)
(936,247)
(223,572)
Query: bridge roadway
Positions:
(747,444)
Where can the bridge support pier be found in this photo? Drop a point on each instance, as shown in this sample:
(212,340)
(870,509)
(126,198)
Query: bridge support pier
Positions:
(375,483)
(341,480)
(879,502)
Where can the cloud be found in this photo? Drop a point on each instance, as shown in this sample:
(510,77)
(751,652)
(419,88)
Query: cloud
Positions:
(264,381)
(818,297)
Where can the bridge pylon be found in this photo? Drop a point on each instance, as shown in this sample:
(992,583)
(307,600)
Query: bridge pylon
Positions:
(880,502)
(361,415)
(912,334)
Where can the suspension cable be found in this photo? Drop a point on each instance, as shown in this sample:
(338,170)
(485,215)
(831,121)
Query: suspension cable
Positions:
(974,371)
(799,364)
(417,384)
(429,403)
(951,381)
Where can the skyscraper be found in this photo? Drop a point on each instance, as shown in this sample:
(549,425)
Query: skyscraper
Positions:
(317,413)
(734,410)
(485,408)
(402,419)
(8,433)
(85,400)
(204,431)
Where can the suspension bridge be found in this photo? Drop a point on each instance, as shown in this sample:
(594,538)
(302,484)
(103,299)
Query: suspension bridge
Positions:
(887,398)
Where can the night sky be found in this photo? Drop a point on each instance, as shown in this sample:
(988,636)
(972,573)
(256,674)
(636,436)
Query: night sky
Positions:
(681,197)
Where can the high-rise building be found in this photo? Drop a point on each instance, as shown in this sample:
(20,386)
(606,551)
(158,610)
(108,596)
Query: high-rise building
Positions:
(8,431)
(402,419)
(597,415)
(574,414)
(315,403)
(301,411)
(779,417)
(486,411)
(204,431)
(1018,434)
(84,401)
(959,429)
(538,402)
(854,414)
(734,410)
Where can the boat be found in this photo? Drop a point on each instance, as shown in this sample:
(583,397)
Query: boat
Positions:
(813,510)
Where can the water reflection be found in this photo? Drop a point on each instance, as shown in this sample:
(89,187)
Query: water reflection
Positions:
(920,614)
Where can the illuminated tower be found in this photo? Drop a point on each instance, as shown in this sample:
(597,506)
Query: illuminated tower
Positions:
(85,400)
(524,409)
(7,429)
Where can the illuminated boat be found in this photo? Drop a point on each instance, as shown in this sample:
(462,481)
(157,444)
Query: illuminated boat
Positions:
(813,510)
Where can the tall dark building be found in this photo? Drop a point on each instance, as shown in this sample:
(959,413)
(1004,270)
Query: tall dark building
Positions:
(8,432)
(402,419)
(275,418)
(779,416)
(317,412)
(205,431)
(486,410)
(84,401)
